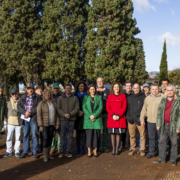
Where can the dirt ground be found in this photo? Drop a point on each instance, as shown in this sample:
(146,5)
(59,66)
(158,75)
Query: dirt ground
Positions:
(106,166)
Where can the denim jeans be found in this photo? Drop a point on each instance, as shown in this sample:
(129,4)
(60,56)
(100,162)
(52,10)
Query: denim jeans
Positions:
(26,127)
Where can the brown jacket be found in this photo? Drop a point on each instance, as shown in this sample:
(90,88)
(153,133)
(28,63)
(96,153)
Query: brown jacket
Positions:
(43,114)
(150,108)
(68,105)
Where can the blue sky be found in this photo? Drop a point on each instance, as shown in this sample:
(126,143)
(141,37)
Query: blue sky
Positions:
(157,20)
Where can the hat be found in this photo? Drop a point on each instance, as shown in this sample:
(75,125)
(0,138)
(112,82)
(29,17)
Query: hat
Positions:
(55,85)
(38,87)
(30,85)
(1,87)
(145,85)
(14,91)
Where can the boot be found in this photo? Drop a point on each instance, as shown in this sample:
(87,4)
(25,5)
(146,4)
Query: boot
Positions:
(77,150)
(45,151)
(82,150)
(52,152)
(49,156)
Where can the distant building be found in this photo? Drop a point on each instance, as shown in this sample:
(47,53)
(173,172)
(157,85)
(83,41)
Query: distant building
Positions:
(151,81)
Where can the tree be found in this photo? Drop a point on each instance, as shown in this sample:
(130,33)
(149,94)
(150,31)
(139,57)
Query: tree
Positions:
(63,38)
(174,76)
(163,66)
(110,40)
(140,73)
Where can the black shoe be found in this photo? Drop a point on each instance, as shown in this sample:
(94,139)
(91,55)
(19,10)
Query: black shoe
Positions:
(23,155)
(173,163)
(95,155)
(35,156)
(149,156)
(159,162)
(89,156)
(118,153)
(113,154)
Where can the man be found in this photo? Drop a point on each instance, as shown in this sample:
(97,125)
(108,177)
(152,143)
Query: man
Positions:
(39,90)
(165,83)
(149,111)
(128,89)
(67,108)
(135,104)
(168,122)
(146,89)
(56,94)
(13,125)
(27,106)
(103,92)
(3,108)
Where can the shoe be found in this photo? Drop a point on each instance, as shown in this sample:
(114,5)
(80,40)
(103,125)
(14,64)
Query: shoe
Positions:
(106,151)
(89,156)
(132,152)
(45,151)
(49,156)
(68,154)
(35,156)
(7,155)
(52,152)
(77,150)
(173,163)
(118,153)
(159,162)
(149,156)
(82,150)
(96,155)
(113,154)
(138,151)
(61,155)
(17,155)
(143,153)
(59,151)
(23,155)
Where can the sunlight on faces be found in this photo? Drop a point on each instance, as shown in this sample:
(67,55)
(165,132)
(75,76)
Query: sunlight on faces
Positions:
(136,88)
(68,90)
(154,90)
(81,87)
(55,90)
(39,92)
(14,96)
(1,92)
(92,91)
(128,87)
(47,95)
(30,91)
(116,89)
(100,83)
(170,91)
(164,84)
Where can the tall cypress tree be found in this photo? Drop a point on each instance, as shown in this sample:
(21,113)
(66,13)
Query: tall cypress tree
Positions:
(63,37)
(140,73)
(110,40)
(163,66)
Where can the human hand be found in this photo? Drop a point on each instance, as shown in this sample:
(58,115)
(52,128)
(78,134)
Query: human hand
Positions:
(92,117)
(80,113)
(142,123)
(27,114)
(115,117)
(177,131)
(41,129)
(67,116)
(158,128)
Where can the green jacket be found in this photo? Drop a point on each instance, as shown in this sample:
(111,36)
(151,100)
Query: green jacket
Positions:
(175,115)
(97,113)
(3,111)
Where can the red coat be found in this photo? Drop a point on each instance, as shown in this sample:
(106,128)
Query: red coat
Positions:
(117,106)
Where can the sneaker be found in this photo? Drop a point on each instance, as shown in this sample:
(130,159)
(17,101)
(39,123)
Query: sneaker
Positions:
(23,155)
(159,162)
(132,152)
(61,155)
(7,155)
(17,155)
(143,153)
(173,163)
(68,154)
(149,156)
(35,156)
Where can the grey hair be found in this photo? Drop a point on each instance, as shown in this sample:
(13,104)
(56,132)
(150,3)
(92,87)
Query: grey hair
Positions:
(99,78)
(171,85)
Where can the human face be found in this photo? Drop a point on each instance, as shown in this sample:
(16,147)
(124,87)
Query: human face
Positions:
(1,92)
(39,92)
(136,88)
(55,90)
(154,90)
(164,84)
(92,91)
(100,83)
(128,87)
(81,87)
(170,92)
(30,91)
(68,90)
(15,96)
(146,90)
(116,89)
(47,95)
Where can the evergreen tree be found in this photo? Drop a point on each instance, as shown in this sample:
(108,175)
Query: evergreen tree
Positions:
(163,66)
(140,73)
(110,40)
(63,37)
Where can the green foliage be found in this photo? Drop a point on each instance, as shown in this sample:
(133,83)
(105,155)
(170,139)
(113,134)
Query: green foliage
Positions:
(174,76)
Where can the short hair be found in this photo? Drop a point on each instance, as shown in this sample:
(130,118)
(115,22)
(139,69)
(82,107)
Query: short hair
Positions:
(99,78)
(91,85)
(171,85)
(165,80)
(77,85)
(121,91)
(128,82)
(154,84)
(138,85)
(39,87)
(68,84)
(47,90)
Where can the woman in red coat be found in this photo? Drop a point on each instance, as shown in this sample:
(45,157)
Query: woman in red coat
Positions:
(116,107)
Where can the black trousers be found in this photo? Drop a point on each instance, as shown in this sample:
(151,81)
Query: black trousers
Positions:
(80,138)
(47,135)
(92,137)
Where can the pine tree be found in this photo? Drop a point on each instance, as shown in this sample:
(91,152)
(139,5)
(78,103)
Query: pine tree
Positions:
(140,73)
(163,66)
(110,40)
(63,37)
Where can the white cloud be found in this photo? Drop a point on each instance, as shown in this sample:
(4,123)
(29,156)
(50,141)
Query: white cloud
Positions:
(143,6)
(170,39)
(162,1)
(172,11)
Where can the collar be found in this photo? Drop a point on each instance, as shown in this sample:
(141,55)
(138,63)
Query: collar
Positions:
(29,96)
(102,90)
(171,99)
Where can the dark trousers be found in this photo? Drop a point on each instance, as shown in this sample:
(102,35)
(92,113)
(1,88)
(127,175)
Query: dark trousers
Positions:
(92,137)
(152,131)
(47,135)
(163,144)
(80,138)
(64,125)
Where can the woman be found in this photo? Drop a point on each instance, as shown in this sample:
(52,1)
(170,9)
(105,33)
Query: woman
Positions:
(80,92)
(92,108)
(116,107)
(47,119)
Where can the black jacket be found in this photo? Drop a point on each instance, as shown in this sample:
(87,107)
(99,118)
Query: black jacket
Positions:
(135,104)
(22,110)
(104,95)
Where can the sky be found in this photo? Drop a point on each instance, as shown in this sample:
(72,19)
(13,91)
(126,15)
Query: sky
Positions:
(159,20)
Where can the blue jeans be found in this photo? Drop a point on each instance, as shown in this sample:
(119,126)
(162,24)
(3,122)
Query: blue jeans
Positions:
(65,141)
(139,142)
(26,127)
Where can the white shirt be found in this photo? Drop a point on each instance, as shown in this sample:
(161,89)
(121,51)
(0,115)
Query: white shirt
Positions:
(51,113)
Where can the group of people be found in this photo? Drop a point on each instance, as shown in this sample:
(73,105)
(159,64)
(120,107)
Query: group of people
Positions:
(89,110)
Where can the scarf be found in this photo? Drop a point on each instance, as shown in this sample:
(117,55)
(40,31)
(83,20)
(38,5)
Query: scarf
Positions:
(81,95)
